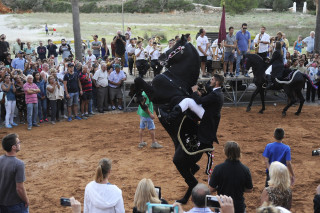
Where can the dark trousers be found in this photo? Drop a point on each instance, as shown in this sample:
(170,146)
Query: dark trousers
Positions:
(312,90)
(263,55)
(156,67)
(209,66)
(102,98)
(53,106)
(131,61)
(142,66)
(60,107)
(58,104)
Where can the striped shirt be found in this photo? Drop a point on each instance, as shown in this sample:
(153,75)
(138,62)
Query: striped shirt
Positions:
(30,98)
(86,84)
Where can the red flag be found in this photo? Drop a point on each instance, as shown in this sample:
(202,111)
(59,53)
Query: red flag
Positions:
(222,30)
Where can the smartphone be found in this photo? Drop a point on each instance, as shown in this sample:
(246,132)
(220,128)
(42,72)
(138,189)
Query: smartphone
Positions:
(212,202)
(158,190)
(65,201)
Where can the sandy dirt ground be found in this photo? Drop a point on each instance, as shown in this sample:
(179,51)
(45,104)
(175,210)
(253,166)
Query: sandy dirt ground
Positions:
(61,159)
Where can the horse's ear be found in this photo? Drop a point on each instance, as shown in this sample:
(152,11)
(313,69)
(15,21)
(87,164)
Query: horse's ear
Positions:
(183,38)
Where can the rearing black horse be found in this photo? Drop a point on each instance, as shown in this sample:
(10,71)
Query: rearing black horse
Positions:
(168,89)
(292,88)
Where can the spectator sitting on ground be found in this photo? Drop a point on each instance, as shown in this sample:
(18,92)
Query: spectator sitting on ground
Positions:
(100,195)
(145,193)
(232,178)
(116,79)
(199,193)
(265,208)
(278,192)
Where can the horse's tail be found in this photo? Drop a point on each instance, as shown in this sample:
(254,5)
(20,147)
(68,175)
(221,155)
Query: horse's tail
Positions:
(288,82)
(309,81)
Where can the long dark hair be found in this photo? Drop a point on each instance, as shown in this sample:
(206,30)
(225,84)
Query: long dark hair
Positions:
(34,77)
(278,47)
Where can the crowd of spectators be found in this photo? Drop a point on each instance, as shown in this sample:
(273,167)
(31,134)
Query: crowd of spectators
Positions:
(230,180)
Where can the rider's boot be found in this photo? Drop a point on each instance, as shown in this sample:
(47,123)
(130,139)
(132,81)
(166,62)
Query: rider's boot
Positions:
(269,82)
(171,116)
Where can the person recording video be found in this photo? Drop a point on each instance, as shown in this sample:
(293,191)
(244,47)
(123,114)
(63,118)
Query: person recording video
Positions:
(120,46)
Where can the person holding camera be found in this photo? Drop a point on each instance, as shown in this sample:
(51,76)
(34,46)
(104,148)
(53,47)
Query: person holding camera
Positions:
(199,196)
(232,178)
(120,46)
(13,193)
(100,196)
(145,193)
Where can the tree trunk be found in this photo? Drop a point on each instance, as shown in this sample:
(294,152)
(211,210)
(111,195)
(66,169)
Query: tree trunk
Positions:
(76,29)
(317,31)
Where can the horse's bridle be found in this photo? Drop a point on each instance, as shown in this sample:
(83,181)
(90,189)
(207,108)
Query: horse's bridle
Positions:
(172,54)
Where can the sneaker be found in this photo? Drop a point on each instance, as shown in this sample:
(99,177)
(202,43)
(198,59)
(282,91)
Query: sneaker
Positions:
(8,126)
(29,127)
(84,117)
(41,121)
(92,113)
(231,75)
(52,122)
(142,144)
(113,108)
(46,120)
(120,107)
(237,74)
(87,115)
(247,75)
(69,119)
(156,145)
(36,125)
(77,118)
(66,117)
(14,124)
(22,122)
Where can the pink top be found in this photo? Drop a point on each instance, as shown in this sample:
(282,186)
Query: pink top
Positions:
(30,98)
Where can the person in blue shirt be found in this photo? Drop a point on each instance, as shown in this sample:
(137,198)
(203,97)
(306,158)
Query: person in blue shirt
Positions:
(18,63)
(278,151)
(243,38)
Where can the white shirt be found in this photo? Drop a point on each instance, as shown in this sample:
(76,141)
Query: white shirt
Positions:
(101,78)
(166,49)
(209,54)
(92,58)
(202,42)
(103,198)
(155,55)
(141,56)
(218,53)
(262,47)
(130,49)
(116,77)
(147,49)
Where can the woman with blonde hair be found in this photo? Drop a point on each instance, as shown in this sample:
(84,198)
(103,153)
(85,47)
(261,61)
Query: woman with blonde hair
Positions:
(145,193)
(100,196)
(278,193)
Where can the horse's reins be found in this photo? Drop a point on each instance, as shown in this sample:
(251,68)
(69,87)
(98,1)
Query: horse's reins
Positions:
(173,83)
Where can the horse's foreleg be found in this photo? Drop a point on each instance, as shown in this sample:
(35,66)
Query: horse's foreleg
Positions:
(301,98)
(252,98)
(291,101)
(262,101)
(141,85)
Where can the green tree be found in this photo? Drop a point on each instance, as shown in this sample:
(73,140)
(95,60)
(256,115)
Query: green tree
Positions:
(281,5)
(240,6)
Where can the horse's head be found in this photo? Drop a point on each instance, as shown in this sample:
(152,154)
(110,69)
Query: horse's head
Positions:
(174,54)
(183,61)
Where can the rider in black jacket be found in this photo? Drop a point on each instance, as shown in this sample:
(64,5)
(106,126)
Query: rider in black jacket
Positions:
(276,67)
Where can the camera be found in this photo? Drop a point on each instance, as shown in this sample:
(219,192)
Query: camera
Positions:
(161,208)
(212,202)
(158,190)
(316,152)
(65,201)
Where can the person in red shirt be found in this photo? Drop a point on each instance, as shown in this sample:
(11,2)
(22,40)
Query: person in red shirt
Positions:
(85,78)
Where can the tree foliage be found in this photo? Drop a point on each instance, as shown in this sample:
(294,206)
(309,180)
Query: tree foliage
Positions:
(281,5)
(240,6)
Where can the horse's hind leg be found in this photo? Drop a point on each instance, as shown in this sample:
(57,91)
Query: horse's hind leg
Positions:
(291,100)
(262,101)
(252,98)
(184,163)
(301,98)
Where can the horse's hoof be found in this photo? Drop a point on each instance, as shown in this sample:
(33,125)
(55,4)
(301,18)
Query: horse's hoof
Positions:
(284,114)
(261,111)
(248,109)
(297,113)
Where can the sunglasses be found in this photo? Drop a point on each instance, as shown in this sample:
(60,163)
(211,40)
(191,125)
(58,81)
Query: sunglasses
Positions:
(244,28)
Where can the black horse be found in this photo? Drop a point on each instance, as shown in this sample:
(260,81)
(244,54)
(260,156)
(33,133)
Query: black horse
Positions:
(291,87)
(182,64)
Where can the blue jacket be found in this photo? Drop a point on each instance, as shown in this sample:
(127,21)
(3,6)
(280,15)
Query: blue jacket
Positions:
(42,86)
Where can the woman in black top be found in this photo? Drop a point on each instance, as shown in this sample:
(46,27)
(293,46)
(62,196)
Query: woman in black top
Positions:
(275,70)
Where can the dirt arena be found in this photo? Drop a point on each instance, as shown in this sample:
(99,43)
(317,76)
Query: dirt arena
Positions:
(61,159)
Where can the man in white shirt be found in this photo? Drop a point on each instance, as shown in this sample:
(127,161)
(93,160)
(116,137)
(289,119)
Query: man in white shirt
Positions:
(116,79)
(100,79)
(154,54)
(263,41)
(90,58)
(130,50)
(309,41)
(141,63)
(149,46)
(170,44)
(202,46)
